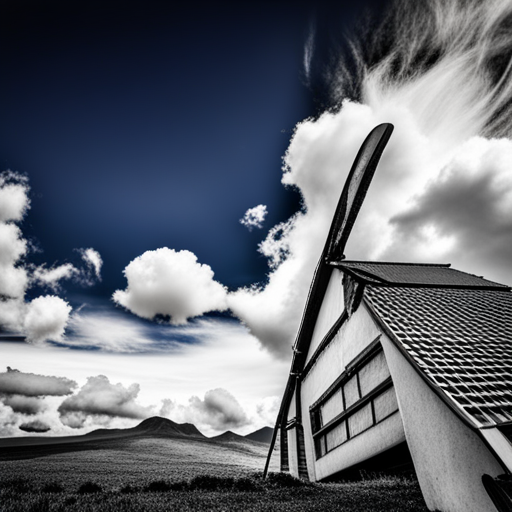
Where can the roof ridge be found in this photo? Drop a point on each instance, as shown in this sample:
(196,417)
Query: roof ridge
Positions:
(410,264)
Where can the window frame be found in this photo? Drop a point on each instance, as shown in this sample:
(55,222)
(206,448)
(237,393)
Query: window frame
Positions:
(319,430)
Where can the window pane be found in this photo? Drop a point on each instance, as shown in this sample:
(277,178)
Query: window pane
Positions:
(336,436)
(361,420)
(332,407)
(385,404)
(351,391)
(320,446)
(373,373)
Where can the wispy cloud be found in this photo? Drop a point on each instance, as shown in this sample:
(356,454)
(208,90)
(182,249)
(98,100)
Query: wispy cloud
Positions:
(93,260)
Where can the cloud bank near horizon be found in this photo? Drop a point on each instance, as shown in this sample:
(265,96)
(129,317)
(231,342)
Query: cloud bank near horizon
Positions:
(30,403)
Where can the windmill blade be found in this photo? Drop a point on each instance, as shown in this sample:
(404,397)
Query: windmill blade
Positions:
(355,189)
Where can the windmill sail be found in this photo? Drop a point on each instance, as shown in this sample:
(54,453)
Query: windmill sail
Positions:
(355,189)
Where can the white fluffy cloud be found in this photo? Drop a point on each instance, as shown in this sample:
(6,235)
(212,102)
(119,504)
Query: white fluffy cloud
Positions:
(254,217)
(99,397)
(219,410)
(13,278)
(14,201)
(170,283)
(46,318)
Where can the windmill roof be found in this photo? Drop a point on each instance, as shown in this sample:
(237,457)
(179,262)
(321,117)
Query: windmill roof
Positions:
(410,274)
(460,339)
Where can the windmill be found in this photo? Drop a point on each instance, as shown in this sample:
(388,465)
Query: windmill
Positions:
(400,366)
(350,202)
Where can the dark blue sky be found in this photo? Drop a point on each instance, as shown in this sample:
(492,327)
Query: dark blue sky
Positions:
(142,125)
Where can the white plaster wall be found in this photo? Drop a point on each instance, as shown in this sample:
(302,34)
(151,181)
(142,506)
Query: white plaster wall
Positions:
(449,457)
(292,452)
(331,309)
(353,337)
(375,440)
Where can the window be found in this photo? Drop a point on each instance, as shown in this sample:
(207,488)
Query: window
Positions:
(332,407)
(385,404)
(373,373)
(351,391)
(359,399)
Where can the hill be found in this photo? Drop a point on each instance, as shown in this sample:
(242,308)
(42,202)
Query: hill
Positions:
(263,435)
(155,426)
(158,432)
(155,449)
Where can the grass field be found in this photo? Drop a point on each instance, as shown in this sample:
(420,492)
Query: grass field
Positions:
(248,493)
(172,474)
(134,460)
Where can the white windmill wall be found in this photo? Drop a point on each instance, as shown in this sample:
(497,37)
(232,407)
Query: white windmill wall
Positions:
(353,337)
(330,311)
(449,457)
(293,457)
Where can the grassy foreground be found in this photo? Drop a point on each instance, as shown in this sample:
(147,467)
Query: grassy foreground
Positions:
(279,492)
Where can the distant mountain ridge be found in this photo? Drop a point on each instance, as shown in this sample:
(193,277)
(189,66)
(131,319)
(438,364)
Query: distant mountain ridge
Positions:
(153,426)
(150,427)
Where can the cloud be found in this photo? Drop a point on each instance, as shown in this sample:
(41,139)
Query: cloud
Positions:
(51,277)
(268,409)
(327,145)
(8,420)
(11,314)
(13,279)
(466,213)
(23,404)
(46,318)
(84,276)
(167,407)
(14,201)
(98,397)
(219,410)
(110,331)
(14,382)
(254,217)
(35,426)
(170,283)
(420,206)
(93,259)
